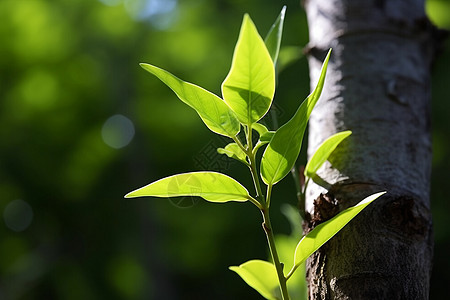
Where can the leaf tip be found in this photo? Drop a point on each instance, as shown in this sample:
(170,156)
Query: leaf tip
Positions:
(129,195)
(371,198)
(327,58)
(233,268)
(283,11)
(346,133)
(379,194)
(247,21)
(146,67)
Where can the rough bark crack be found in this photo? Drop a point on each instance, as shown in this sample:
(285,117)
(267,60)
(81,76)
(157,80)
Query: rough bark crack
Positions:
(326,207)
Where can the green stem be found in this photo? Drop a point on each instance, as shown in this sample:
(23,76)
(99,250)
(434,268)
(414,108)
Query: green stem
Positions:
(269,195)
(239,143)
(273,251)
(256,203)
(264,208)
(255,177)
(252,165)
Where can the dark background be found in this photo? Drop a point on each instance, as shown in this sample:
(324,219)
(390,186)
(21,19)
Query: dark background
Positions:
(81,124)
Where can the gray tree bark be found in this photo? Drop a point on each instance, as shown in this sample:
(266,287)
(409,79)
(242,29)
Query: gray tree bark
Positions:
(378,86)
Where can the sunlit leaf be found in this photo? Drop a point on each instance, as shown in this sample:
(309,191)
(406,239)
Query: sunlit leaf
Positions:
(325,231)
(323,152)
(273,38)
(267,137)
(264,135)
(234,151)
(260,128)
(211,186)
(250,85)
(284,147)
(214,112)
(260,275)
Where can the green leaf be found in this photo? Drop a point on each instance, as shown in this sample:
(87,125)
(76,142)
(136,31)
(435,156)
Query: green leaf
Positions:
(323,152)
(267,137)
(273,38)
(260,128)
(264,135)
(250,85)
(232,150)
(214,111)
(284,147)
(260,275)
(325,231)
(211,186)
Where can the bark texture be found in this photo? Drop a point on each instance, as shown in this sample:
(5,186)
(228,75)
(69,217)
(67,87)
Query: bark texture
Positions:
(378,86)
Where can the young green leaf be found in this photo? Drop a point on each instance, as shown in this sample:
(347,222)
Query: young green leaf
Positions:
(273,38)
(323,152)
(211,186)
(233,150)
(284,147)
(264,135)
(250,85)
(325,231)
(260,275)
(260,128)
(267,137)
(214,111)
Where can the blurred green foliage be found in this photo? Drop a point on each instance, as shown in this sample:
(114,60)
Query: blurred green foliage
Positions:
(70,86)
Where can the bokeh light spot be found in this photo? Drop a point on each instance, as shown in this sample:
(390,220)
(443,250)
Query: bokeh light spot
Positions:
(111,2)
(142,9)
(159,13)
(18,215)
(118,131)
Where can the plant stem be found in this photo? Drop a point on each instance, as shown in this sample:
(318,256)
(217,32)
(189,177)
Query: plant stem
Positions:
(252,165)
(256,203)
(255,177)
(273,251)
(264,208)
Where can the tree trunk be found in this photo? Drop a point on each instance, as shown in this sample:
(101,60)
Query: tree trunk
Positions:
(378,86)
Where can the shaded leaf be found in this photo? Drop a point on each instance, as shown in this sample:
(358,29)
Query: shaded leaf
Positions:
(323,152)
(284,147)
(214,112)
(211,186)
(325,231)
(260,275)
(232,150)
(273,38)
(250,85)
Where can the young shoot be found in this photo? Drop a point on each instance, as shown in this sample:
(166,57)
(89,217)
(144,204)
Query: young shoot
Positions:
(247,95)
